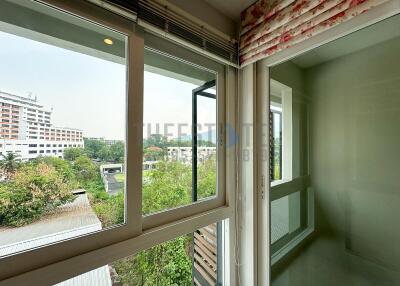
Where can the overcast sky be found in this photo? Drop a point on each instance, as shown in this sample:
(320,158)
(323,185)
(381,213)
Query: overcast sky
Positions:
(88,93)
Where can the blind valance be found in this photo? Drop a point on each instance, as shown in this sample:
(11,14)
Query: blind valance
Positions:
(269,26)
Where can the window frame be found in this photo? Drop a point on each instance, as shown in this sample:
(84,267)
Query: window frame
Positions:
(173,50)
(46,254)
(62,260)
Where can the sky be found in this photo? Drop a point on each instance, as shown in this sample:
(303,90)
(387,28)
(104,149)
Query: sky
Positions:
(88,93)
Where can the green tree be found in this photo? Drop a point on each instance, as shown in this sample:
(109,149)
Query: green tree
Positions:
(9,164)
(165,264)
(167,186)
(71,154)
(207,178)
(36,189)
(117,151)
(85,169)
(93,146)
(105,153)
(153,153)
(156,140)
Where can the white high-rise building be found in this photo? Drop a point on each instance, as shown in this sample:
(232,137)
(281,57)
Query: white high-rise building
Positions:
(26,129)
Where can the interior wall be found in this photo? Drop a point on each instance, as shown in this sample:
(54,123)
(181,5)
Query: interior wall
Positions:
(292,76)
(355,136)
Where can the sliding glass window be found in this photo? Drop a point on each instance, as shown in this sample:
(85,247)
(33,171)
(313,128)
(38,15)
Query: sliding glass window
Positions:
(62,130)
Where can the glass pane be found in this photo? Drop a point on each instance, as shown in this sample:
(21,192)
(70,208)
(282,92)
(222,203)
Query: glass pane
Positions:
(285,216)
(276,145)
(193,259)
(168,117)
(62,137)
(206,145)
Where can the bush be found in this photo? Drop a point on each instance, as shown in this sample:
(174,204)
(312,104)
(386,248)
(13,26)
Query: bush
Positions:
(71,154)
(85,169)
(166,264)
(110,211)
(36,189)
(167,186)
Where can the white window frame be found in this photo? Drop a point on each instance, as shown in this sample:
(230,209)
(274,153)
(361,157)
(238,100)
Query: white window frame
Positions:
(60,261)
(284,92)
(181,54)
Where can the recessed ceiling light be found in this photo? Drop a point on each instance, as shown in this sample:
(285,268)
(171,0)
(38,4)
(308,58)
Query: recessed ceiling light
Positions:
(108,41)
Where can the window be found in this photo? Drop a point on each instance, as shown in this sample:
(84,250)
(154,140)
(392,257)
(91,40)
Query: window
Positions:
(275,117)
(180,152)
(118,201)
(193,259)
(280,132)
(289,209)
(101,73)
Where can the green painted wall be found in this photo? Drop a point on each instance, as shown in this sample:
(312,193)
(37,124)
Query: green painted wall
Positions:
(291,75)
(355,156)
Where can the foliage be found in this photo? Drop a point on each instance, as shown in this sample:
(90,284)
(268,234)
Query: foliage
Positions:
(71,154)
(154,153)
(35,190)
(98,149)
(45,183)
(207,178)
(165,264)
(64,168)
(9,164)
(156,140)
(93,147)
(85,169)
(109,209)
(117,151)
(167,186)
(188,143)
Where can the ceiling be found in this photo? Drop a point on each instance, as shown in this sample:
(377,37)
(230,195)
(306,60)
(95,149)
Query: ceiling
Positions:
(230,8)
(367,37)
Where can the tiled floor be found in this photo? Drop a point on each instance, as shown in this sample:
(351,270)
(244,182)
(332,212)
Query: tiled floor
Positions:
(325,262)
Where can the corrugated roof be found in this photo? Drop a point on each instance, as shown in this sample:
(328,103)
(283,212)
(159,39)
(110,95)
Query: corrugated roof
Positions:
(68,221)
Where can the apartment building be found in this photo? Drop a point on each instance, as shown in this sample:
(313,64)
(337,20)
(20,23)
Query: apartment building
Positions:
(26,129)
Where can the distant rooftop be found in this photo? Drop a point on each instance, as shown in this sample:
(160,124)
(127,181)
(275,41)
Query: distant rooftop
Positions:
(21,99)
(68,221)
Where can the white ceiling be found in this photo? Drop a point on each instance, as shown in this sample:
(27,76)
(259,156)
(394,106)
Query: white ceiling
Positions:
(230,8)
(367,37)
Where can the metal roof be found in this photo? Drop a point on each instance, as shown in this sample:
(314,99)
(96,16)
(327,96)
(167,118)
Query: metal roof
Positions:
(68,221)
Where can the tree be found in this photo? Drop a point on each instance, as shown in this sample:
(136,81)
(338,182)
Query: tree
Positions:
(93,146)
(105,153)
(207,178)
(165,264)
(63,167)
(168,185)
(117,151)
(170,263)
(71,154)
(154,153)
(85,169)
(157,140)
(36,190)
(9,164)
